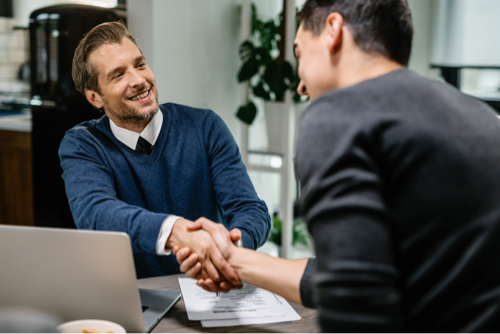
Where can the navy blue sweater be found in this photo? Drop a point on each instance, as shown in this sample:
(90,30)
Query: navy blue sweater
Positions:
(195,170)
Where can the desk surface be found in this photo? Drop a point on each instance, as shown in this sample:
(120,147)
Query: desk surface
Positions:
(176,319)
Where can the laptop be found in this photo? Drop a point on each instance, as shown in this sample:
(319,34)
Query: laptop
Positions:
(77,274)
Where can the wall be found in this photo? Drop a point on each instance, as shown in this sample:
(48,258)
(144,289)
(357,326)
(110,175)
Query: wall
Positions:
(423,12)
(466,32)
(192,47)
(14,49)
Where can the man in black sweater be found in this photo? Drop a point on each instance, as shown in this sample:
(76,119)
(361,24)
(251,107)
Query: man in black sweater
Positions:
(400,181)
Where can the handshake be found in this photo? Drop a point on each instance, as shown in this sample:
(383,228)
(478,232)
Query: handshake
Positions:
(207,252)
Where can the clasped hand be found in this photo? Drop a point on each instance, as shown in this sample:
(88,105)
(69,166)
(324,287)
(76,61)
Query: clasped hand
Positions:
(209,263)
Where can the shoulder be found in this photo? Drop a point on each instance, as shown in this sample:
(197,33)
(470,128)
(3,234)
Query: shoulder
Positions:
(185,112)
(88,128)
(363,119)
(89,134)
(182,115)
(401,98)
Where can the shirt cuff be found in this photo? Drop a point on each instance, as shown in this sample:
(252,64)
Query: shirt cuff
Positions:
(306,285)
(239,243)
(165,230)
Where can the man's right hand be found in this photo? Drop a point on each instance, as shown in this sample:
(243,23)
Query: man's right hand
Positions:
(210,258)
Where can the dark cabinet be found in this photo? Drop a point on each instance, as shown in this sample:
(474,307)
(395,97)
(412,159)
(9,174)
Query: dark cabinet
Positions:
(16,184)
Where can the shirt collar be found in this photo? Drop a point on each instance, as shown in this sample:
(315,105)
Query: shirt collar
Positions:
(130,138)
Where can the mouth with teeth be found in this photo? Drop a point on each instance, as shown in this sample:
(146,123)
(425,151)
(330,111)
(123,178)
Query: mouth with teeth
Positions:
(140,96)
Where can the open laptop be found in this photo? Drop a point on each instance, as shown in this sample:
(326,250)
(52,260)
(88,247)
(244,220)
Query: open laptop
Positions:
(77,274)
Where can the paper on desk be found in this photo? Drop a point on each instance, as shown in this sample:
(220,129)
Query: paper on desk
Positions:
(290,315)
(249,302)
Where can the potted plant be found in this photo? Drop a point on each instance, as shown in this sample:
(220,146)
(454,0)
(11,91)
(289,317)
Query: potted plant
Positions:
(300,236)
(264,67)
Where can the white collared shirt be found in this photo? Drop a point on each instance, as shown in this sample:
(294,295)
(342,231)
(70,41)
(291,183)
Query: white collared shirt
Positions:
(130,138)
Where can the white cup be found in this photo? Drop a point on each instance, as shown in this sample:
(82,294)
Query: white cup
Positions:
(101,326)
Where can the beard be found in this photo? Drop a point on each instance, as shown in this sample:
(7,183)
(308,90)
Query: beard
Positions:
(127,114)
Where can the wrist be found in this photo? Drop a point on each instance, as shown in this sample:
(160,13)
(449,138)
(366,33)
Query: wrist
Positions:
(236,259)
(178,233)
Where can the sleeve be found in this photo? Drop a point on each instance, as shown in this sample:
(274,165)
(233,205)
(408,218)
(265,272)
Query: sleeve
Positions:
(92,197)
(355,277)
(306,285)
(232,185)
(165,230)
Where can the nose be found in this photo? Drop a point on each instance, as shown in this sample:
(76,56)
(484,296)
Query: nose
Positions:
(137,79)
(301,88)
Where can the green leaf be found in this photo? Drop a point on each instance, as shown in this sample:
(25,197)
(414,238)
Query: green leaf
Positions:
(247,113)
(287,70)
(259,63)
(263,56)
(299,232)
(248,69)
(297,97)
(261,92)
(274,78)
(275,235)
(255,19)
(246,50)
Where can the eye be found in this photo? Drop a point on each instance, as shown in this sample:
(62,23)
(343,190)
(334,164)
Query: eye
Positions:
(117,76)
(141,65)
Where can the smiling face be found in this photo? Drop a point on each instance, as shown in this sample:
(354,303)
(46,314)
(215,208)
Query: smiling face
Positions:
(313,57)
(127,85)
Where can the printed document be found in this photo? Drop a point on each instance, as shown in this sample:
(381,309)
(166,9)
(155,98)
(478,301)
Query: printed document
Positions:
(290,315)
(249,302)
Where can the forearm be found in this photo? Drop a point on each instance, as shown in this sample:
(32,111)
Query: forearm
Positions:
(355,280)
(242,207)
(277,275)
(141,225)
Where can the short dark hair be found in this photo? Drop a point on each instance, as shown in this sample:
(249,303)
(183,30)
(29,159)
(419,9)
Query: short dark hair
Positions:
(382,27)
(84,74)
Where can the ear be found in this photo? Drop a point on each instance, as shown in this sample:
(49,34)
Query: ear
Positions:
(334,33)
(94,98)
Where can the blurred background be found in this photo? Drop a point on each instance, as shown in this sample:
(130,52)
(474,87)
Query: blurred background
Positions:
(203,54)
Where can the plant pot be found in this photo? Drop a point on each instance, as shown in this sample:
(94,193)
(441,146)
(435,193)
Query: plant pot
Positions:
(275,115)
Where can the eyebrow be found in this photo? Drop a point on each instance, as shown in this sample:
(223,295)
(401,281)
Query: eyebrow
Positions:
(111,73)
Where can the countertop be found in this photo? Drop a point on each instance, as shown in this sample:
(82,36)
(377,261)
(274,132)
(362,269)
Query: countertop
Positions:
(16,121)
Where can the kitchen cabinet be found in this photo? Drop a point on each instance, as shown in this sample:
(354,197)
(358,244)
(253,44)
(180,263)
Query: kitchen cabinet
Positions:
(16,184)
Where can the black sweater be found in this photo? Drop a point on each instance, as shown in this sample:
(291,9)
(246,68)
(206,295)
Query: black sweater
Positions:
(400,181)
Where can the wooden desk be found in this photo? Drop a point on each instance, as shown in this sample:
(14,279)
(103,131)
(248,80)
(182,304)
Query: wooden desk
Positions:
(176,319)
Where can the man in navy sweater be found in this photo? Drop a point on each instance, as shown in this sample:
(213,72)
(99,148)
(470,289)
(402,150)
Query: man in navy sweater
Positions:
(147,169)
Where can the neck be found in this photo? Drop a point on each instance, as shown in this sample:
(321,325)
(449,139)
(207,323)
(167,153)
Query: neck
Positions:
(136,125)
(361,66)
(354,66)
